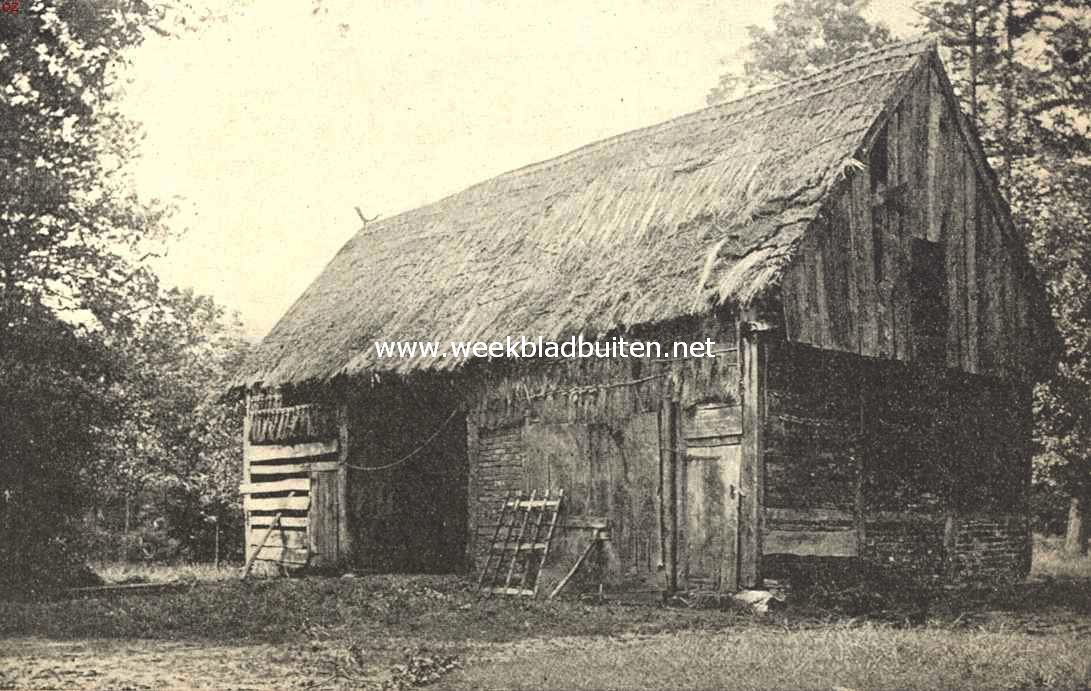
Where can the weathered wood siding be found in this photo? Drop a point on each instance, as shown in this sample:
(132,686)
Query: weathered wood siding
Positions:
(812,472)
(917,470)
(290,470)
(612,434)
(851,287)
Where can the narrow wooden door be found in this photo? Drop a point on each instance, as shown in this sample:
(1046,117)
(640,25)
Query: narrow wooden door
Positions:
(712,518)
(710,480)
(322,519)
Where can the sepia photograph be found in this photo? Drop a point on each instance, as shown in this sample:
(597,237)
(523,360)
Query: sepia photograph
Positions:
(486,344)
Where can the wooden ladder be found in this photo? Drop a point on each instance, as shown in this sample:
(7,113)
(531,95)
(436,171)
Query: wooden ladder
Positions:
(520,545)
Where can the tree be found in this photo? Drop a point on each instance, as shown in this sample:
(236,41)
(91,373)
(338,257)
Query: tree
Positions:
(806,35)
(177,442)
(53,378)
(1022,70)
(74,241)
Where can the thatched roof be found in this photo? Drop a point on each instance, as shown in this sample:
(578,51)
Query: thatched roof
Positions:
(646,226)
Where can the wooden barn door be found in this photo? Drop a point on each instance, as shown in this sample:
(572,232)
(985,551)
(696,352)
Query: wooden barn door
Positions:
(711,483)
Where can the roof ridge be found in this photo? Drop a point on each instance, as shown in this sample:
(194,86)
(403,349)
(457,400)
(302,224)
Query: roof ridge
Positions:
(892,50)
(822,74)
(925,40)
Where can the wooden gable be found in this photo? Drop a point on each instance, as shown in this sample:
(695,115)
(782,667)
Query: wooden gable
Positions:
(917,259)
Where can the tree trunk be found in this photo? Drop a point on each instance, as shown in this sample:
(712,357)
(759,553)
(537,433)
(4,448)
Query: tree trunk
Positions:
(1075,539)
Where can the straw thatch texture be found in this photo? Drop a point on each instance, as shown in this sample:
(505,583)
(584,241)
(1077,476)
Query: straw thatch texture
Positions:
(643,227)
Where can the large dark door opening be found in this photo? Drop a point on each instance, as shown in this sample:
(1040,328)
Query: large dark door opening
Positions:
(408,495)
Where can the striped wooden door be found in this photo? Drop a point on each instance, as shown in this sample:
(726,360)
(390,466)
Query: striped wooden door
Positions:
(290,493)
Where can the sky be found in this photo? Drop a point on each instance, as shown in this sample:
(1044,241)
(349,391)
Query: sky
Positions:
(267,130)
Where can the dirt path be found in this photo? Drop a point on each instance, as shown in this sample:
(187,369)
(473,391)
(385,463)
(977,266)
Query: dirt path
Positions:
(131,665)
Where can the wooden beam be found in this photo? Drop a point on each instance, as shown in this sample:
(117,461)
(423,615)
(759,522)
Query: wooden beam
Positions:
(584,522)
(290,468)
(575,567)
(260,544)
(279,503)
(276,452)
(292,539)
(344,535)
(297,522)
(811,543)
(301,484)
(808,516)
(283,555)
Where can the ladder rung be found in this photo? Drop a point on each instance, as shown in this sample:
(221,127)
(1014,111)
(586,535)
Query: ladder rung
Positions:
(508,546)
(509,591)
(536,504)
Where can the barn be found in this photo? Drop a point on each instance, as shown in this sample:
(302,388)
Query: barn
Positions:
(872,324)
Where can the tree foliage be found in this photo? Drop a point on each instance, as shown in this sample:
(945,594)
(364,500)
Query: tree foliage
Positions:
(806,35)
(1022,70)
(84,323)
(177,443)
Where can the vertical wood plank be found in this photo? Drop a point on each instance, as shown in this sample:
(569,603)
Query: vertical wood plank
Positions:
(882,219)
(865,269)
(824,337)
(322,519)
(344,534)
(790,301)
(751,471)
(473,485)
(934,154)
(667,493)
(969,275)
(859,500)
(678,460)
(954,194)
(847,247)
(917,171)
(805,286)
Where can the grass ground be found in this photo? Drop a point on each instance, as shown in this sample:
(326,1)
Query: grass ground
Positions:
(397,632)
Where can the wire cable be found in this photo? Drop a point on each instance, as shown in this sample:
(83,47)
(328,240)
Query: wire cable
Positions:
(412,453)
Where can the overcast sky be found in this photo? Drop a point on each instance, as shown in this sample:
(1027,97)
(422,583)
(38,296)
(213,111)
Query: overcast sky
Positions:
(268,129)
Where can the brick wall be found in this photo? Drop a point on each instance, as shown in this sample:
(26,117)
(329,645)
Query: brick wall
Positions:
(499,470)
(990,548)
(911,549)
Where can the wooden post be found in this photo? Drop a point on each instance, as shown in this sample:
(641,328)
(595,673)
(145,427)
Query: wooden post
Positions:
(596,539)
(859,449)
(751,472)
(344,532)
(473,451)
(248,550)
(671,487)
(668,518)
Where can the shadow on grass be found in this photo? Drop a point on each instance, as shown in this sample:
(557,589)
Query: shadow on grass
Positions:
(445,608)
(1057,594)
